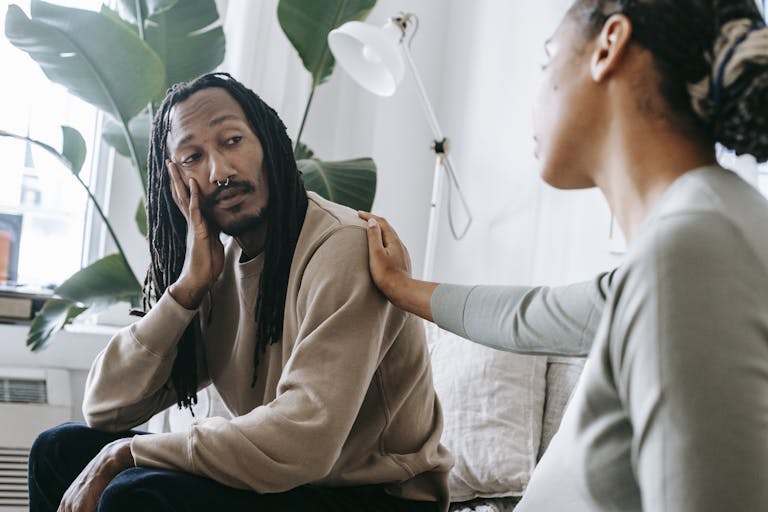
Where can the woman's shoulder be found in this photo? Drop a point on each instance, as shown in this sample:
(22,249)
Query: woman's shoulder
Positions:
(709,217)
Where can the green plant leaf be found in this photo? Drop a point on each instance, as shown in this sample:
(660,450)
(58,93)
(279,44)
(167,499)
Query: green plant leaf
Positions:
(73,148)
(187,39)
(102,283)
(348,182)
(77,49)
(139,128)
(51,318)
(141,217)
(127,8)
(307,23)
(303,152)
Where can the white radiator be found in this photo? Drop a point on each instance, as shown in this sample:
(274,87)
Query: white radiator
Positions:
(31,400)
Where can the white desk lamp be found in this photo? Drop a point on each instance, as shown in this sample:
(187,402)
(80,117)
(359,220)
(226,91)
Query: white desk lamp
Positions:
(373,57)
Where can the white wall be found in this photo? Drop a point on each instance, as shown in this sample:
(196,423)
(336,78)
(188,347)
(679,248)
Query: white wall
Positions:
(525,232)
(480,64)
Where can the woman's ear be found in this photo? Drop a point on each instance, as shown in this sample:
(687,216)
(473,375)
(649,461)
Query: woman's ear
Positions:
(611,46)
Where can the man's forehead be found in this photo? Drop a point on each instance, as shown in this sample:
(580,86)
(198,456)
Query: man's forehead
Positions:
(204,109)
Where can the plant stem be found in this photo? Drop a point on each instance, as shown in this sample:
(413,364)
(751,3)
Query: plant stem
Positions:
(304,119)
(93,199)
(140,26)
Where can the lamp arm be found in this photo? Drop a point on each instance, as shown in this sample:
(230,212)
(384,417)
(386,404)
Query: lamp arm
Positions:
(425,103)
(437,132)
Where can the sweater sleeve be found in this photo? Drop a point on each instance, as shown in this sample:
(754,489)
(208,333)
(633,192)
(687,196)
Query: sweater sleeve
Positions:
(689,351)
(345,328)
(530,320)
(129,380)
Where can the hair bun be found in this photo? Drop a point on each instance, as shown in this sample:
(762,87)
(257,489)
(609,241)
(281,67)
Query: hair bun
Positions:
(733,100)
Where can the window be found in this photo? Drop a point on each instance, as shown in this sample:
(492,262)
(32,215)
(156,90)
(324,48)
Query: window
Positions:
(43,210)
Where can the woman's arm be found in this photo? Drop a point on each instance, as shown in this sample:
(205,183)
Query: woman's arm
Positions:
(532,320)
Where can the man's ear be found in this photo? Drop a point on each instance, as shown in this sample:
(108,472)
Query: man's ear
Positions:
(611,46)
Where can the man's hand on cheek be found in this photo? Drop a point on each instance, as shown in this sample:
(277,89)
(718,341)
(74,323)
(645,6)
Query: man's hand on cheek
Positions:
(204,256)
(84,493)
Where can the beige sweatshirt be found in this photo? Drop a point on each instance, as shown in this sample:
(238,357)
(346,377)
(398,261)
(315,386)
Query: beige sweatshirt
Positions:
(345,399)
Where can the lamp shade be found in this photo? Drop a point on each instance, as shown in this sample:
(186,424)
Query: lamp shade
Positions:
(370,55)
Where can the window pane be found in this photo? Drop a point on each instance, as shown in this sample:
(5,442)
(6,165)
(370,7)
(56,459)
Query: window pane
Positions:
(42,207)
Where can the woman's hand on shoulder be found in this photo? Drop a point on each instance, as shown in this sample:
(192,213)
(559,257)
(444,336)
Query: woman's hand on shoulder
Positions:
(391,268)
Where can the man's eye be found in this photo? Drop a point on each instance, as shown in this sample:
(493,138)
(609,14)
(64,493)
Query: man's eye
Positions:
(234,140)
(191,159)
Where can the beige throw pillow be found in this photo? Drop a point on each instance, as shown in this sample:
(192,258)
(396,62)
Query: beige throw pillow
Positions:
(493,403)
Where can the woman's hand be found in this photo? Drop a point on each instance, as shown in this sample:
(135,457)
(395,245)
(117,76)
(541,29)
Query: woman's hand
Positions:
(84,493)
(391,269)
(204,259)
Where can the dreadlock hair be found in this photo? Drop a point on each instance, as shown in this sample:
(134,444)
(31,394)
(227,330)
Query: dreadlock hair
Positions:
(712,56)
(167,227)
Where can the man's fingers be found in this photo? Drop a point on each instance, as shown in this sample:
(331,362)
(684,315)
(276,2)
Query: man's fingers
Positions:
(178,191)
(194,203)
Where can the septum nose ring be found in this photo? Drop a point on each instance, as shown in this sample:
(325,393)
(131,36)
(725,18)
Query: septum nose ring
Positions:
(220,184)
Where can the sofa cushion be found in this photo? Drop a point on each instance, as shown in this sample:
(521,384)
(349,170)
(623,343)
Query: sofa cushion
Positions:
(493,404)
(562,375)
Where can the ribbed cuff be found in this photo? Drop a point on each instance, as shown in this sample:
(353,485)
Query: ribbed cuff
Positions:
(169,451)
(448,303)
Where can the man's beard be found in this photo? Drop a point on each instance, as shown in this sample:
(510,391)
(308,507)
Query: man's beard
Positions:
(240,226)
(243,225)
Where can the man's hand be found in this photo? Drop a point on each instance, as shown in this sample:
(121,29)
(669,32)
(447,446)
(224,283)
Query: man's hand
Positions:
(390,269)
(204,259)
(84,493)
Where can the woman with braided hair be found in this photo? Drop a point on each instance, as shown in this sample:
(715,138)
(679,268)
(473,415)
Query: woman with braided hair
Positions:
(671,411)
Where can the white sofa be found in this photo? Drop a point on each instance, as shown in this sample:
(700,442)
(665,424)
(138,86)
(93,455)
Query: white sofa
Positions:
(501,410)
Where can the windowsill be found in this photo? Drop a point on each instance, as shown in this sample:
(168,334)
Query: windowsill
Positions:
(74,348)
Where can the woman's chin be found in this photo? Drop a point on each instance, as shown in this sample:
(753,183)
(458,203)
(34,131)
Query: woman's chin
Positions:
(563,178)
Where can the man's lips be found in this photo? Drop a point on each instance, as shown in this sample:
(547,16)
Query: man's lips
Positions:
(230,198)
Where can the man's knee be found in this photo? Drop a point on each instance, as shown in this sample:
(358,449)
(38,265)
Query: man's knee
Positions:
(136,489)
(49,445)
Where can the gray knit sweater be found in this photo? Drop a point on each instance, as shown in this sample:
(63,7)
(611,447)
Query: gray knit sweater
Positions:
(671,412)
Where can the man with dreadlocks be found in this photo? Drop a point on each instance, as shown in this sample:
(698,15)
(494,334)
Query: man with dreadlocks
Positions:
(329,385)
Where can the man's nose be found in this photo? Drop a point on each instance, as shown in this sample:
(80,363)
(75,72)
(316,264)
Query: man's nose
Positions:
(219,169)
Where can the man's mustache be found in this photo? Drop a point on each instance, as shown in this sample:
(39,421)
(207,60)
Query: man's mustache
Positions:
(210,200)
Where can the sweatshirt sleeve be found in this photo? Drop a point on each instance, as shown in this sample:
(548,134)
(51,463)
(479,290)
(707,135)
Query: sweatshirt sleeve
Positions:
(346,327)
(129,380)
(689,353)
(530,320)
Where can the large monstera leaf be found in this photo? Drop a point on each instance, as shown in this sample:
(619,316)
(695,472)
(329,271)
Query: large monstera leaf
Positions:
(348,182)
(77,49)
(307,24)
(187,39)
(104,282)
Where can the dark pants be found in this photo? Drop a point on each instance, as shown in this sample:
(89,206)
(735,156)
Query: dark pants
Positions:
(60,454)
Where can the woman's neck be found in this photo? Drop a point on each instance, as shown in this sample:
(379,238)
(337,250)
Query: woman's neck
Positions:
(640,164)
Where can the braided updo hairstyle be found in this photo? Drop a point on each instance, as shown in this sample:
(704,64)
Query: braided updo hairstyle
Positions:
(712,56)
